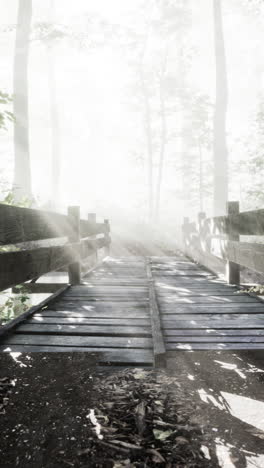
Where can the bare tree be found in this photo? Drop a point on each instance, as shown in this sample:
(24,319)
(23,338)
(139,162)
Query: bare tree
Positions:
(163,133)
(22,172)
(221,101)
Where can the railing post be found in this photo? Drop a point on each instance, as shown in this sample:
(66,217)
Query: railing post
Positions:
(233,269)
(107,236)
(201,218)
(185,225)
(92,220)
(74,269)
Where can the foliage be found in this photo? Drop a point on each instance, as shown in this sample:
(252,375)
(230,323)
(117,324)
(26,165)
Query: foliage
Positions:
(14,305)
(10,200)
(5,114)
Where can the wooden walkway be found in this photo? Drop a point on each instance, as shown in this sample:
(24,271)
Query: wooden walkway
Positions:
(112,313)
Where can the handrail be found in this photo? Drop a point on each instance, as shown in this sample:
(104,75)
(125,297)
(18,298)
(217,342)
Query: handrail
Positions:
(75,240)
(215,242)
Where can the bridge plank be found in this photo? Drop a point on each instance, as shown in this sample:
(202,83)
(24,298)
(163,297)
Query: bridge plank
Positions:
(193,324)
(211,346)
(83,329)
(103,355)
(206,299)
(215,339)
(81,341)
(214,332)
(95,314)
(187,309)
(203,317)
(74,320)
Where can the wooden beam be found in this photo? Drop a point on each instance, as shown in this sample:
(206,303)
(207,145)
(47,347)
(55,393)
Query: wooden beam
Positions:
(21,266)
(248,223)
(74,269)
(25,224)
(159,349)
(19,225)
(88,228)
(232,268)
(38,288)
(250,255)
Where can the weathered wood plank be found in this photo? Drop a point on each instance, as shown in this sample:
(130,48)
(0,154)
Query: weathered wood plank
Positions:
(190,293)
(26,224)
(158,341)
(104,355)
(181,273)
(69,320)
(212,346)
(21,266)
(232,269)
(212,332)
(86,289)
(186,309)
(248,223)
(223,317)
(250,255)
(89,228)
(38,288)
(88,330)
(80,302)
(81,341)
(214,339)
(207,299)
(211,324)
(95,313)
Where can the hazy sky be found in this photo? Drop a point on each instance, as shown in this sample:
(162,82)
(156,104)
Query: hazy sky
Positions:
(96,126)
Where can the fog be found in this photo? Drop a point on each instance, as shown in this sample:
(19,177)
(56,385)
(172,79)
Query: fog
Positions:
(122,103)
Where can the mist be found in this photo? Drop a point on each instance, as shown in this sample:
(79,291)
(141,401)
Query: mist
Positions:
(121,107)
(131,233)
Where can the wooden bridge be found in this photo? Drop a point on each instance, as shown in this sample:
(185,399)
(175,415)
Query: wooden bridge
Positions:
(131,310)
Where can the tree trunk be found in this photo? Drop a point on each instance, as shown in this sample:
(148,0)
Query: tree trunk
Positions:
(54,121)
(220,145)
(55,132)
(147,122)
(201,183)
(163,138)
(22,172)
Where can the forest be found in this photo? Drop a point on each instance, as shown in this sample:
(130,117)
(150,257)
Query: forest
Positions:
(150,108)
(131,233)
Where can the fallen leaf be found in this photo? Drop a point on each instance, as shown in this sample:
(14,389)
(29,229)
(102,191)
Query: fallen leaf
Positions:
(181,440)
(162,435)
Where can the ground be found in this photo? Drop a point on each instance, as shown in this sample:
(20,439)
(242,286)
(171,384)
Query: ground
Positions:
(204,410)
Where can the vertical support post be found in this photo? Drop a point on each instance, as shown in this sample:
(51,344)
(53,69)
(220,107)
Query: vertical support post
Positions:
(201,230)
(107,237)
(92,220)
(185,233)
(74,269)
(233,269)
(201,218)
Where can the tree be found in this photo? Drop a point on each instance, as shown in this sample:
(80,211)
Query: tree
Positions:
(221,101)
(22,186)
(5,114)
(50,34)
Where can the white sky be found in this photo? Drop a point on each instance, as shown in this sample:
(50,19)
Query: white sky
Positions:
(96,125)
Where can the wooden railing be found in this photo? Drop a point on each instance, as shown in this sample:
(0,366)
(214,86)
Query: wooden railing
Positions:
(25,257)
(215,242)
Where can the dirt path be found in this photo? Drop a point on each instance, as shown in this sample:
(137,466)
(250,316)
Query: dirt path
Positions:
(205,410)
